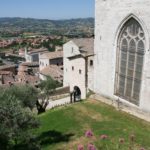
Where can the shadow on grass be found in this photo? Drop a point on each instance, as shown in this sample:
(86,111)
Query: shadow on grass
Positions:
(53,137)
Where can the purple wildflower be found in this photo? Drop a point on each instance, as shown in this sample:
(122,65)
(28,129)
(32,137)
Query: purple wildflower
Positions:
(142,148)
(89,133)
(103,136)
(80,147)
(91,147)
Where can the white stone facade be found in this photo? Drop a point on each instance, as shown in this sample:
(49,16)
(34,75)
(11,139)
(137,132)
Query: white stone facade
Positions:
(50,58)
(33,56)
(90,73)
(110,17)
(71,76)
(43,62)
(42,77)
(77,69)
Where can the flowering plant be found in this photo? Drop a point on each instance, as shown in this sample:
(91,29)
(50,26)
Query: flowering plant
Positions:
(103,137)
(88,133)
(80,147)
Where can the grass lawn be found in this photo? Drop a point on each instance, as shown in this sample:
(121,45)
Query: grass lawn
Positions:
(64,128)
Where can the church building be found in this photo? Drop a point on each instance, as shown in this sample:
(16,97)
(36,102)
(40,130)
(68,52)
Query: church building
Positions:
(122,52)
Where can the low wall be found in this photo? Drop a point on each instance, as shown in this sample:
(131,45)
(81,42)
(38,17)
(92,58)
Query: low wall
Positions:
(59,102)
(60,96)
(119,105)
(61,90)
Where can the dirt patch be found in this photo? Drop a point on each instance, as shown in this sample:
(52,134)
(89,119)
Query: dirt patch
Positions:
(97,102)
(92,101)
(87,112)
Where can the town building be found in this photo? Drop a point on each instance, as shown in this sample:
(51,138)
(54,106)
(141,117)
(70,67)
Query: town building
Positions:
(78,66)
(53,71)
(2,54)
(21,52)
(26,73)
(51,58)
(51,65)
(11,68)
(33,55)
(122,52)
(6,77)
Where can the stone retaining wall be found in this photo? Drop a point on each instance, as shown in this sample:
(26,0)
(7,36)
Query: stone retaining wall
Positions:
(59,102)
(119,105)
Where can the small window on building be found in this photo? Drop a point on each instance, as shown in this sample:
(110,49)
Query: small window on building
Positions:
(80,71)
(72,49)
(91,62)
(72,67)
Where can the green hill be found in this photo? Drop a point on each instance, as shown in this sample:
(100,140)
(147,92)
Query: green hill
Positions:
(72,27)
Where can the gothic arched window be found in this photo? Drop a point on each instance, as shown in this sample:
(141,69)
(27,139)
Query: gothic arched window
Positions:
(131,44)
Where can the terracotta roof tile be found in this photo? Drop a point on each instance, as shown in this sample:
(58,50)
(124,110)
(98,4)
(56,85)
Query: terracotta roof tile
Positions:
(53,71)
(86,45)
(7,66)
(6,73)
(41,50)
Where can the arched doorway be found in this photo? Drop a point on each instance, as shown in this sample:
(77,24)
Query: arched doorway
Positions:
(76,93)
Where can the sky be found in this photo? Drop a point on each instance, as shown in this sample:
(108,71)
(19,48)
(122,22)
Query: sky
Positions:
(47,9)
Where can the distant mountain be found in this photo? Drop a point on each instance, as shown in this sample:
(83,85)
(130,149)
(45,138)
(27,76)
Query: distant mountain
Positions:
(71,27)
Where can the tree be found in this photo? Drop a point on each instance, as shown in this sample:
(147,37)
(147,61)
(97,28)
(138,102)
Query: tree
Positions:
(47,87)
(16,122)
(26,94)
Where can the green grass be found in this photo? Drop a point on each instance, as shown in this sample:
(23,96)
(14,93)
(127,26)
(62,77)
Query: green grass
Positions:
(64,128)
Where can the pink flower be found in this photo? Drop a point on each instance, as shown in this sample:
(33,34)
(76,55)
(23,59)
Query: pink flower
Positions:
(80,147)
(89,133)
(121,140)
(103,136)
(142,148)
(91,147)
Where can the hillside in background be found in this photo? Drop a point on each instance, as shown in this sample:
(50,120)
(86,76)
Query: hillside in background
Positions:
(72,27)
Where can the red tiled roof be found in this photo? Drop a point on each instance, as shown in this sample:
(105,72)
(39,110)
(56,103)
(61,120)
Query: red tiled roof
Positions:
(28,78)
(8,78)
(30,64)
(38,50)
(6,73)
(7,66)
(86,45)
(53,71)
